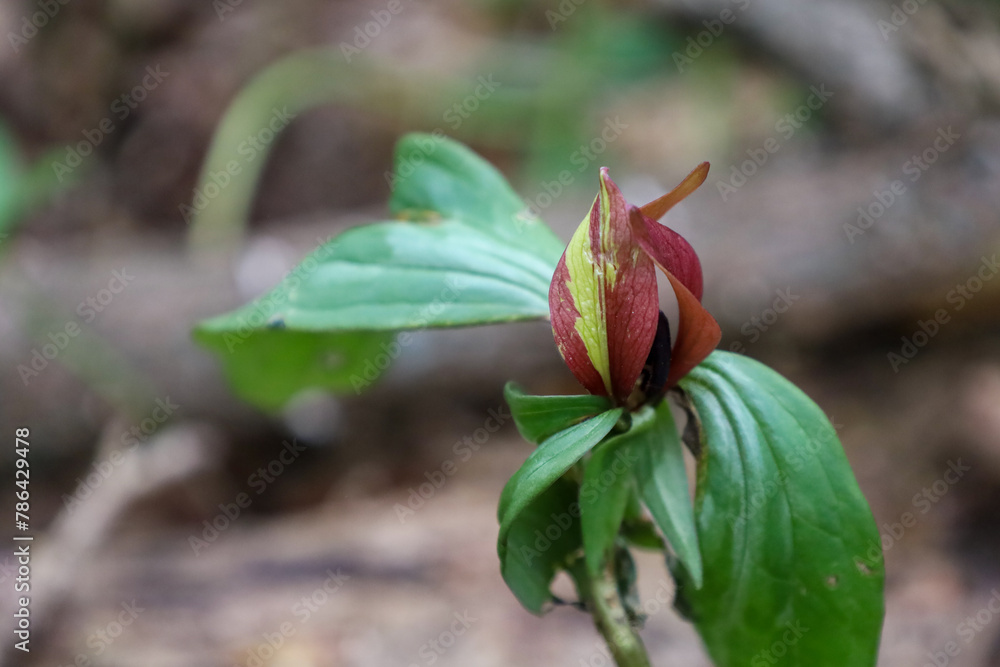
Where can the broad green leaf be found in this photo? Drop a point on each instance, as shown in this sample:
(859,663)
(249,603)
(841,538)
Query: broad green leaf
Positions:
(441,176)
(538,417)
(663,485)
(793,568)
(547,464)
(268,367)
(467,254)
(604,494)
(539,542)
(405,275)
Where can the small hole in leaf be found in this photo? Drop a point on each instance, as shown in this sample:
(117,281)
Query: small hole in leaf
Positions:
(832,581)
(863,568)
(332,360)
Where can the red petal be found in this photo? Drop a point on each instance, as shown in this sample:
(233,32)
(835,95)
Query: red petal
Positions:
(669,250)
(603,299)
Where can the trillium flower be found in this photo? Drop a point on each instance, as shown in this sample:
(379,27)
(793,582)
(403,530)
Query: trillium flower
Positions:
(604,302)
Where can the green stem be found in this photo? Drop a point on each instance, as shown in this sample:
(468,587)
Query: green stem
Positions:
(612,620)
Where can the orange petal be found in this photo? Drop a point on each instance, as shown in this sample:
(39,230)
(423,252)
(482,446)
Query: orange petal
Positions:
(697,336)
(657,208)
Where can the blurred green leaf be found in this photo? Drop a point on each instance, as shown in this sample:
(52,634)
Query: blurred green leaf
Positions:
(468,254)
(539,417)
(603,499)
(269,367)
(663,486)
(539,542)
(436,177)
(545,465)
(22,189)
(793,567)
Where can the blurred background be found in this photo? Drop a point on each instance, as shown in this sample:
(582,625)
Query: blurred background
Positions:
(849,234)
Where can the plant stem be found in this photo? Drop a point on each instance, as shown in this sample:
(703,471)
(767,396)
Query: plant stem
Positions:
(612,621)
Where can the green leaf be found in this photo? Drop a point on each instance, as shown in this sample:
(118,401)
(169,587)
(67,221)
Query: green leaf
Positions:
(604,496)
(268,367)
(405,275)
(538,417)
(793,566)
(467,254)
(547,464)
(663,485)
(437,175)
(539,543)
